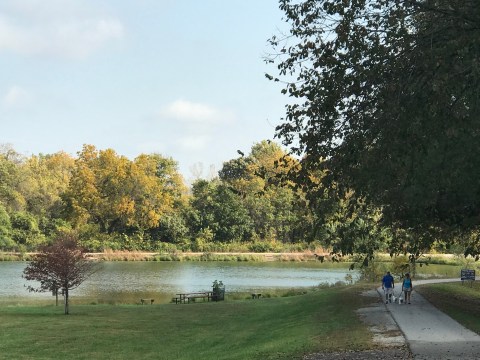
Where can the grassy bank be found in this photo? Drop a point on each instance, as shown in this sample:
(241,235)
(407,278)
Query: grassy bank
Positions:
(459,301)
(275,328)
(122,255)
(109,255)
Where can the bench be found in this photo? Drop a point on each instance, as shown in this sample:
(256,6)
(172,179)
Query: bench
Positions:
(198,296)
(187,297)
(256,296)
(146,301)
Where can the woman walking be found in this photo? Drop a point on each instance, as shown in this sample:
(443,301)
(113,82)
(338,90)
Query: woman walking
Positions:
(407,288)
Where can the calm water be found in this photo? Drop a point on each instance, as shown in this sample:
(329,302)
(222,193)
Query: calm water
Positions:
(127,282)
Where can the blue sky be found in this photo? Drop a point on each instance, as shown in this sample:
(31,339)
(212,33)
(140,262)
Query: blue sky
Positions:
(183,78)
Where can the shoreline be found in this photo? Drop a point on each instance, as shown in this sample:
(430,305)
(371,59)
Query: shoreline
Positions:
(120,255)
(124,255)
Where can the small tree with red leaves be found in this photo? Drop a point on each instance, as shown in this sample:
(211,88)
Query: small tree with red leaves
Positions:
(60,266)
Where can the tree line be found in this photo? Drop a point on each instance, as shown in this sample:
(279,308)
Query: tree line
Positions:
(256,203)
(112,202)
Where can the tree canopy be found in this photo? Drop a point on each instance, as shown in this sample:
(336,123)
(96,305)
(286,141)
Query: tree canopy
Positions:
(384,99)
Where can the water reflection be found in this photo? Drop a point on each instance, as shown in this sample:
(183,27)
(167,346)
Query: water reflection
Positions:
(118,282)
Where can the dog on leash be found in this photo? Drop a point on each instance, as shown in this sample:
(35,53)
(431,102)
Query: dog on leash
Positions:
(400,299)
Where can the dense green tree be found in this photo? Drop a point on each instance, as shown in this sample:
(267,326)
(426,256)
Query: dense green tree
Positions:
(10,196)
(6,242)
(217,208)
(25,230)
(238,175)
(350,226)
(31,190)
(384,98)
(44,179)
(200,215)
(277,210)
(232,221)
(172,228)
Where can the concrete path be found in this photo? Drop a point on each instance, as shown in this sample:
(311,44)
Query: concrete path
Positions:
(429,332)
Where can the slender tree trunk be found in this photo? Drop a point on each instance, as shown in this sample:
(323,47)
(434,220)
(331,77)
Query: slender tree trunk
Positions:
(66,301)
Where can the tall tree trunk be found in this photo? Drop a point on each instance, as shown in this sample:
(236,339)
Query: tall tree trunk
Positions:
(65,296)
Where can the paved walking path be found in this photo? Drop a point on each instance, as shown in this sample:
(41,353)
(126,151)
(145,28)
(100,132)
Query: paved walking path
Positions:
(430,333)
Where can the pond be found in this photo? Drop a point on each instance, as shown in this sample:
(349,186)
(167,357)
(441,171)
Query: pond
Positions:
(127,282)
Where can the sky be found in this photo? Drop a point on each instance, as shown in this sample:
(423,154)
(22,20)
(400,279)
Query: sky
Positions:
(182,78)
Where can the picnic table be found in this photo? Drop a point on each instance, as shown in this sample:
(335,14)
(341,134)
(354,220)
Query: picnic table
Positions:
(186,297)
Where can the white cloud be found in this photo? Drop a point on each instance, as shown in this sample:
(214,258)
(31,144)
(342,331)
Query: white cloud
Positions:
(197,113)
(16,96)
(66,30)
(194,142)
(200,121)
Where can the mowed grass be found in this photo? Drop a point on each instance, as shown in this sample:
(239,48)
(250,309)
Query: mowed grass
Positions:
(460,301)
(274,328)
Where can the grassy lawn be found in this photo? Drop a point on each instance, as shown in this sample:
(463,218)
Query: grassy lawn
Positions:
(274,328)
(461,302)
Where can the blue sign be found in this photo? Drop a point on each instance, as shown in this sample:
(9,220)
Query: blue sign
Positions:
(466,274)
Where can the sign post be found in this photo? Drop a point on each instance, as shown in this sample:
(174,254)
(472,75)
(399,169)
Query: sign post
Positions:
(467,274)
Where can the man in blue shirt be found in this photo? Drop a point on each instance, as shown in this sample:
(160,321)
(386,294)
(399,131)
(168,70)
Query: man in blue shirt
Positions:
(388,284)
